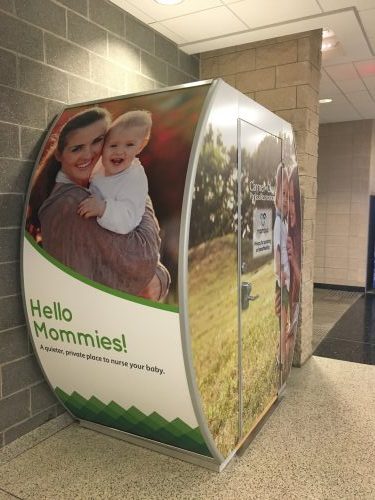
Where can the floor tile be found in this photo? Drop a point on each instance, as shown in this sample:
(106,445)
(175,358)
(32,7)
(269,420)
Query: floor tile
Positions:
(346,350)
(315,445)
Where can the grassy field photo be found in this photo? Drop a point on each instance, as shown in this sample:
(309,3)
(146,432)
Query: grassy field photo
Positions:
(213,313)
(213,309)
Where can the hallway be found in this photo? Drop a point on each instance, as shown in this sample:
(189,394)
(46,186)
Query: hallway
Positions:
(344,326)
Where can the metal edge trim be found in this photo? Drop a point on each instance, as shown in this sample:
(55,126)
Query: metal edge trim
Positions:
(183,272)
(179,453)
(139,94)
(239,277)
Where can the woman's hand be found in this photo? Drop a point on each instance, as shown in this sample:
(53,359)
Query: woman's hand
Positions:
(91,207)
(153,290)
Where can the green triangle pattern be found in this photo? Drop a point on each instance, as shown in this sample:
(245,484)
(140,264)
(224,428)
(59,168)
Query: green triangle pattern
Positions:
(153,426)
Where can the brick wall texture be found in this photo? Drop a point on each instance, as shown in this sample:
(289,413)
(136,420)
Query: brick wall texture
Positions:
(54,53)
(342,217)
(283,74)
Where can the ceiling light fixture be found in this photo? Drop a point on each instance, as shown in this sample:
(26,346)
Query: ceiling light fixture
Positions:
(327,33)
(325,101)
(329,44)
(169,2)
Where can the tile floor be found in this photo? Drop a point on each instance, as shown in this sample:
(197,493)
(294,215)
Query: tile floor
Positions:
(352,337)
(319,443)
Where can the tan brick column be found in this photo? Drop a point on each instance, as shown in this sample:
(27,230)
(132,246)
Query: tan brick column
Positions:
(283,75)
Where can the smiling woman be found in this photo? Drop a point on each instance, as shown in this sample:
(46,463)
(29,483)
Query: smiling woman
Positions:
(126,262)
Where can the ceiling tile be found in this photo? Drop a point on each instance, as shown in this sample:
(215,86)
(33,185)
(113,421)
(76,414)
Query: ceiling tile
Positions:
(342,4)
(363,103)
(268,12)
(366,68)
(368,20)
(369,82)
(341,72)
(163,30)
(354,85)
(327,87)
(160,12)
(134,10)
(339,110)
(206,24)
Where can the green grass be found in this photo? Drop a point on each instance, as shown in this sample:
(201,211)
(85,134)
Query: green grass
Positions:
(213,324)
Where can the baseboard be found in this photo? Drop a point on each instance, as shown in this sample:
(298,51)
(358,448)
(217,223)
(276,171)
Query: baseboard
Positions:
(344,288)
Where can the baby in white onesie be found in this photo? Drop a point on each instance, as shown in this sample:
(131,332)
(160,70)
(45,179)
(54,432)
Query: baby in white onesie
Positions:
(119,190)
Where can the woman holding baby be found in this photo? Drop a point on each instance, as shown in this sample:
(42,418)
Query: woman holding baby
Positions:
(64,222)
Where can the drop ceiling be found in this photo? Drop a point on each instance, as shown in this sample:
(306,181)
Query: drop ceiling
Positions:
(348,70)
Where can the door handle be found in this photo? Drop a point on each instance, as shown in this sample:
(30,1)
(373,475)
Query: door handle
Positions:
(246,296)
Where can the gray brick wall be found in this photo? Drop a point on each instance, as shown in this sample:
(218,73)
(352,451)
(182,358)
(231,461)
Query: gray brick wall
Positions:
(54,53)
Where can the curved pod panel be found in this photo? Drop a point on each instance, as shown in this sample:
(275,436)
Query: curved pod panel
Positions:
(140,239)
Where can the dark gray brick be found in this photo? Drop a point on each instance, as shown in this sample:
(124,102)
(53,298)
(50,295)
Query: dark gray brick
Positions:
(42,397)
(6,5)
(87,34)
(8,73)
(31,142)
(53,108)
(165,49)
(43,80)
(67,56)
(14,409)
(18,107)
(107,73)
(11,312)
(177,77)
(140,34)
(11,210)
(124,53)
(30,424)
(20,374)
(10,278)
(21,37)
(14,175)
(138,83)
(108,15)
(82,90)
(14,344)
(43,13)
(9,244)
(77,5)
(189,64)
(153,67)
(9,141)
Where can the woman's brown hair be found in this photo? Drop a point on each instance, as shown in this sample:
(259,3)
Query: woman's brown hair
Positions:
(45,176)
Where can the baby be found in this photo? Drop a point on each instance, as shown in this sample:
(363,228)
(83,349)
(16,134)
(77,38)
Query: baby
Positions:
(118,195)
(280,237)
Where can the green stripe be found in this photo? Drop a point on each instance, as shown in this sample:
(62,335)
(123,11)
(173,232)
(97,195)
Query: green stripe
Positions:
(99,286)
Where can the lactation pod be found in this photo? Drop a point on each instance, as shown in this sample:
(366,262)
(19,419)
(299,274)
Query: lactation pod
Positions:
(179,334)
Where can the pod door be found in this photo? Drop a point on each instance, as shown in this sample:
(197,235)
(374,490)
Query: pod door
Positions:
(260,228)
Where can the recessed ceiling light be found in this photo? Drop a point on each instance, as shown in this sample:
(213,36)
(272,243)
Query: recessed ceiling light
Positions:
(329,44)
(325,101)
(168,2)
(327,33)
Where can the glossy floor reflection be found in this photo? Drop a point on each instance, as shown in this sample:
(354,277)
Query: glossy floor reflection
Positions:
(352,338)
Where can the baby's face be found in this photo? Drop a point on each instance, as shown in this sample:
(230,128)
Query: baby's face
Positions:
(121,146)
